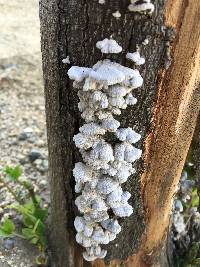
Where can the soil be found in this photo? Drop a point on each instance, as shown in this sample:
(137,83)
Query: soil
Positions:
(22,126)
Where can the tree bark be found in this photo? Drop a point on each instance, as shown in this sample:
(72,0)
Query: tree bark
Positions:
(165,115)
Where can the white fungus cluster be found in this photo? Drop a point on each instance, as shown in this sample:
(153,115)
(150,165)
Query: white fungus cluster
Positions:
(116,14)
(146,41)
(136,58)
(144,6)
(108,46)
(103,90)
(66,60)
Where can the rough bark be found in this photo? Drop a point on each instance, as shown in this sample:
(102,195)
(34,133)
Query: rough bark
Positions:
(72,28)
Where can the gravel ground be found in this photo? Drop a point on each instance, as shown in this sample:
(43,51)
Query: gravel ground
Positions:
(22,126)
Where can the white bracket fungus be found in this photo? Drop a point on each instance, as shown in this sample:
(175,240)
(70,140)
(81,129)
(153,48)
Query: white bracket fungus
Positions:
(136,58)
(108,46)
(146,41)
(145,7)
(116,14)
(66,60)
(103,91)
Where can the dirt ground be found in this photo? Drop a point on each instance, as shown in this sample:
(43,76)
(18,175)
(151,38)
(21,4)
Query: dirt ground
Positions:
(22,119)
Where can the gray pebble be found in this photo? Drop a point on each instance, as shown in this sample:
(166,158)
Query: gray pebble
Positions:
(38,162)
(33,155)
(32,140)
(23,136)
(14,143)
(43,182)
(28,130)
(8,243)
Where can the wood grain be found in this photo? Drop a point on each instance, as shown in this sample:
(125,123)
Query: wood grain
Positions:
(174,121)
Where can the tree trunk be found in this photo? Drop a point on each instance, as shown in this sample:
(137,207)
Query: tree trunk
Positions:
(165,115)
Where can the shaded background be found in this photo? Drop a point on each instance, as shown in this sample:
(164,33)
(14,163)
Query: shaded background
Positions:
(22,118)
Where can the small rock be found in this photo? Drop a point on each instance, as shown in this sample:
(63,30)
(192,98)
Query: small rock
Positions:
(28,130)
(38,162)
(14,143)
(40,143)
(33,155)
(32,140)
(8,243)
(43,182)
(26,134)
(23,161)
(41,165)
(23,136)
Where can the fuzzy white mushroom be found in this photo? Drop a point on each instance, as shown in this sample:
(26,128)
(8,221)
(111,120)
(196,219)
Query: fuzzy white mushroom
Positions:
(94,253)
(116,14)
(92,129)
(116,195)
(146,41)
(66,60)
(78,74)
(96,216)
(100,155)
(136,58)
(128,134)
(100,236)
(78,187)
(99,205)
(83,141)
(135,82)
(106,185)
(82,173)
(111,225)
(84,240)
(123,211)
(130,99)
(127,152)
(79,224)
(142,7)
(124,172)
(108,74)
(103,91)
(110,124)
(117,91)
(109,46)
(118,102)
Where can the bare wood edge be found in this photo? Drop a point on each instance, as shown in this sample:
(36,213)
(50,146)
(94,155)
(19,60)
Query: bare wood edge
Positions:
(174,120)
